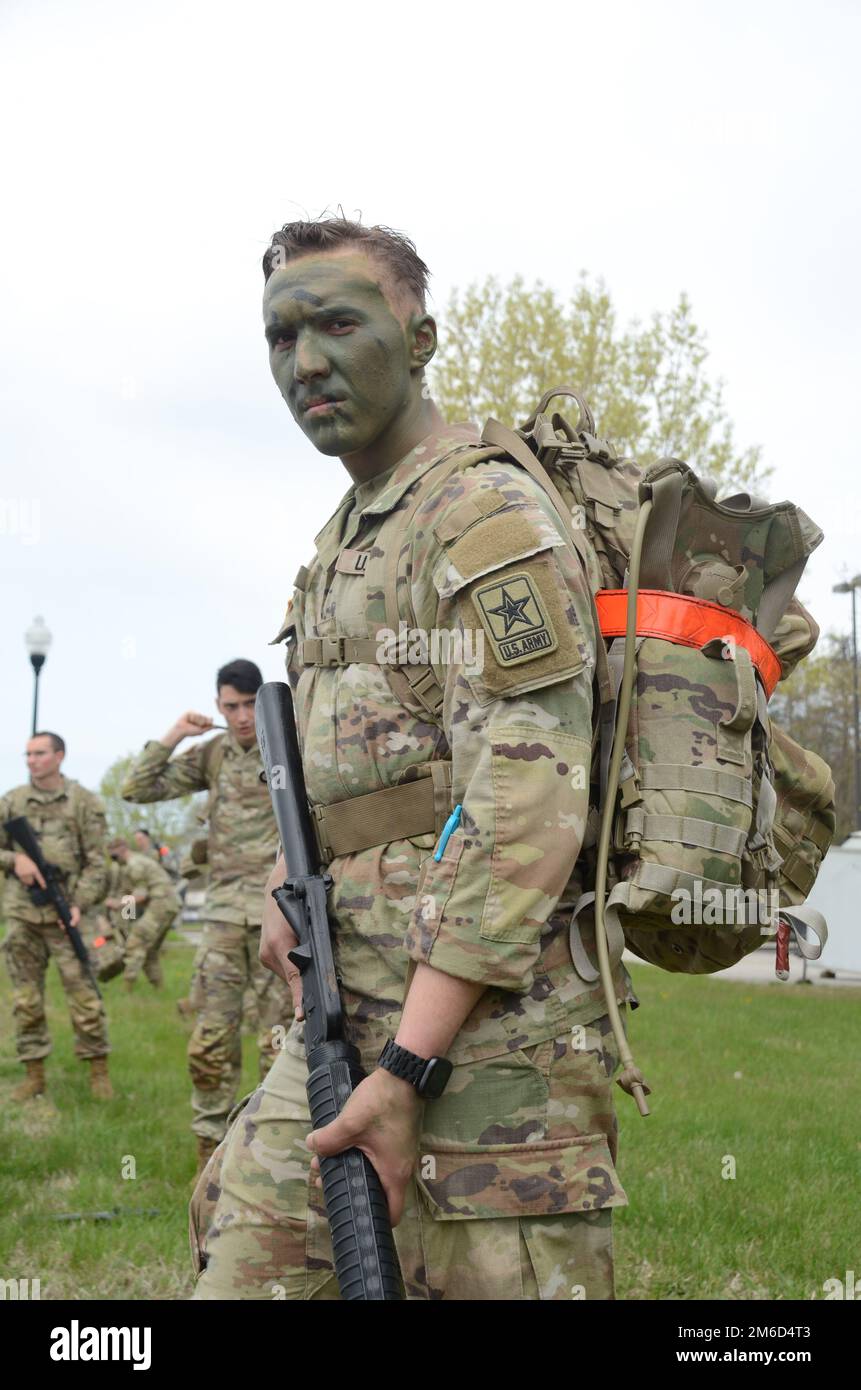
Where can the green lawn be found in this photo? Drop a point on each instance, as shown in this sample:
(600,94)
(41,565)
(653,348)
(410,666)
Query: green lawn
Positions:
(788,1221)
(66,1153)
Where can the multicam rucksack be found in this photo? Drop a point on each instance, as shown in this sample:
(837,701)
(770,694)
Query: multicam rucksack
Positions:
(712,820)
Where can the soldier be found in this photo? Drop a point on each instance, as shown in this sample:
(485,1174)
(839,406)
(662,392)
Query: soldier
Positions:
(144,883)
(162,855)
(241,849)
(70,824)
(502,1187)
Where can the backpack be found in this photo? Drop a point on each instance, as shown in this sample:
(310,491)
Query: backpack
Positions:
(713,821)
(691,787)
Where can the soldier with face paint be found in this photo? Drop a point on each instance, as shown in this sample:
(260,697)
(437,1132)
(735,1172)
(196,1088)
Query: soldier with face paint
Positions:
(501,1187)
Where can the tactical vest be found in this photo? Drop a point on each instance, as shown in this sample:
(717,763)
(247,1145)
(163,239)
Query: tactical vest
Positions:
(57,823)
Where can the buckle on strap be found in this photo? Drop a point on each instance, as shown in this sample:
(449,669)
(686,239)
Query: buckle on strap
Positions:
(323,651)
(333,651)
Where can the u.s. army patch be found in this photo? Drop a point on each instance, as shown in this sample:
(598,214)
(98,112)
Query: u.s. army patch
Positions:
(515,619)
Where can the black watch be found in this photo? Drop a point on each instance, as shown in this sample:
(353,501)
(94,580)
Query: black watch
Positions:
(429,1075)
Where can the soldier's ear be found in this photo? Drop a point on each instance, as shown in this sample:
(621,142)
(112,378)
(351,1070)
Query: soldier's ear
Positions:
(422,339)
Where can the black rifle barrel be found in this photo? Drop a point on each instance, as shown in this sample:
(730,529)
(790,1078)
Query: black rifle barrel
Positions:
(365,1262)
(22,833)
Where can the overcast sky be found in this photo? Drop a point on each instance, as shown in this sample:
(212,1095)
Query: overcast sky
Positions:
(156,497)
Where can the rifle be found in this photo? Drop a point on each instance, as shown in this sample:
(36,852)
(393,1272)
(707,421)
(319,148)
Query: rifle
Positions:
(21,832)
(365,1262)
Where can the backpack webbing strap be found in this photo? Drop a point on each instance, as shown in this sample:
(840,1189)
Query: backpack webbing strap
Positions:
(663,527)
(776,598)
(673,777)
(496,433)
(687,830)
(337,651)
(422,680)
(579,955)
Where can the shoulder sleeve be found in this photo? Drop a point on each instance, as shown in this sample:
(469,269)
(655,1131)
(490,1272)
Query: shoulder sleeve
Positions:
(517,716)
(504,574)
(156,776)
(7,852)
(93,879)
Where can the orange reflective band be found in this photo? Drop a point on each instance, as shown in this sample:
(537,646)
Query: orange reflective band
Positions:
(690,621)
(100,941)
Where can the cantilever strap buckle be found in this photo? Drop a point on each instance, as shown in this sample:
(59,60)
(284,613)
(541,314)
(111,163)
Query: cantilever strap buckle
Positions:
(333,651)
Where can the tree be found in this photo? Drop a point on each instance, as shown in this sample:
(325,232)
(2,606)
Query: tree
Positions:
(172,823)
(505,345)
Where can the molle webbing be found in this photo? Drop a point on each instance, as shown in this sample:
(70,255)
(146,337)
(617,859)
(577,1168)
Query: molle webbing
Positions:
(412,808)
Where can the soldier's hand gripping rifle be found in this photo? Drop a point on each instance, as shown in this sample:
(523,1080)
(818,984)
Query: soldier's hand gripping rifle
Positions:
(365,1261)
(21,832)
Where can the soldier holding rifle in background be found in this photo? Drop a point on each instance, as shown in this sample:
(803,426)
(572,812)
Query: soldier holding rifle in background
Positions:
(69,823)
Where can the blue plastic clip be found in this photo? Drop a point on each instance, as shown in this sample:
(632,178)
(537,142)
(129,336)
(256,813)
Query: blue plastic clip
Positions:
(450,825)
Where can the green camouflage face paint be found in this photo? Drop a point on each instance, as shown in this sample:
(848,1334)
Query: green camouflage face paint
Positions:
(339,356)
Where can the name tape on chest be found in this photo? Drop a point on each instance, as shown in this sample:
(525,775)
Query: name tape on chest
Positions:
(352,562)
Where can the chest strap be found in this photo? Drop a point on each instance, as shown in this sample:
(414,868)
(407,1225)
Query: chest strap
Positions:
(338,651)
(419,807)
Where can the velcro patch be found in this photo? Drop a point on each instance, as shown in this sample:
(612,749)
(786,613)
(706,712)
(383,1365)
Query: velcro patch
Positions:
(531,635)
(352,562)
(516,619)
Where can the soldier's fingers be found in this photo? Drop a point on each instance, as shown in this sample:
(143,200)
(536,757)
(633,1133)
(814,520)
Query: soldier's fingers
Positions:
(332,1138)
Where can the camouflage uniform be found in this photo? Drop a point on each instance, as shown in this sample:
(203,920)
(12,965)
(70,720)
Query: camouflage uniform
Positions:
(70,824)
(515,1181)
(243,844)
(152,920)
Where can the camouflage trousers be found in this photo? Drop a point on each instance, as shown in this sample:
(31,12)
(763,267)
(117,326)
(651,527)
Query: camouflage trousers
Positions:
(144,942)
(226,963)
(511,1199)
(28,949)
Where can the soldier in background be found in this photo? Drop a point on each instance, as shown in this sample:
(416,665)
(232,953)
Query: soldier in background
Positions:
(70,824)
(242,845)
(164,856)
(147,893)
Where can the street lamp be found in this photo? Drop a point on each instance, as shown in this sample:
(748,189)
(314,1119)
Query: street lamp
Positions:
(851,586)
(37,639)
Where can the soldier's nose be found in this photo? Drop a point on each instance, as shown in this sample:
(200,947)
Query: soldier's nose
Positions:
(308,362)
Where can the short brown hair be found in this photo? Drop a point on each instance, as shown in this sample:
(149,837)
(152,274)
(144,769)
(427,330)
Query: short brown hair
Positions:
(57,743)
(118,843)
(394,250)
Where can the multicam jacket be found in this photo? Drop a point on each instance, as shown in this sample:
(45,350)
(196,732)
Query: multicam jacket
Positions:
(495,598)
(70,825)
(243,841)
(140,874)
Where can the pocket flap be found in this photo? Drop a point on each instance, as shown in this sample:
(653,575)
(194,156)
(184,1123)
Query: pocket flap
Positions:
(471,1182)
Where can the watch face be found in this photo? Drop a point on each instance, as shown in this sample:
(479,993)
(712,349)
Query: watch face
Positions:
(434,1078)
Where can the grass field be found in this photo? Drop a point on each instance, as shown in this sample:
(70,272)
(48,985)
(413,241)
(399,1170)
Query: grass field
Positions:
(765,1075)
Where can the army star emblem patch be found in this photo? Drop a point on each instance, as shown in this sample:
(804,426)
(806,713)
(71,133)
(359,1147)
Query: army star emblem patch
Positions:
(515,619)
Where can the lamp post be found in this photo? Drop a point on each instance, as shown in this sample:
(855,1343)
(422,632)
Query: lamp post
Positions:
(37,639)
(851,586)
